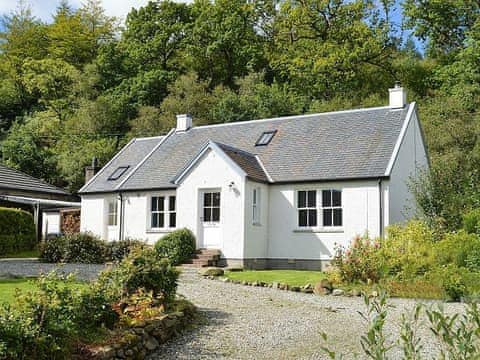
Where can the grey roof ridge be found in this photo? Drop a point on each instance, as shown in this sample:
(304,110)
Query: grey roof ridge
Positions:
(162,140)
(106,166)
(401,137)
(149,137)
(37,179)
(294,117)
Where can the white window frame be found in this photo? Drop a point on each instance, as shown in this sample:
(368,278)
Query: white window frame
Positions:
(256,205)
(307,208)
(114,214)
(319,208)
(165,213)
(331,207)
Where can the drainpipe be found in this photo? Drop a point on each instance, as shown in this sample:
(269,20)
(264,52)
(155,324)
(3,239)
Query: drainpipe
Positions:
(380,197)
(120,225)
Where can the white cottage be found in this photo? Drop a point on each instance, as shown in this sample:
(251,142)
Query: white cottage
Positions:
(270,193)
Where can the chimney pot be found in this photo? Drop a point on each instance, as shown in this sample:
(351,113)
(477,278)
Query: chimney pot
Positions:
(397,96)
(91,170)
(184,122)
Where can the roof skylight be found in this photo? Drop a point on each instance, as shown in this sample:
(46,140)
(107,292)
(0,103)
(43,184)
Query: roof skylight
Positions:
(117,174)
(265,138)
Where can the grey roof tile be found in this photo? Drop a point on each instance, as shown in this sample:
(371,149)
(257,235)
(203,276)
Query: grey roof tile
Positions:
(327,146)
(12,179)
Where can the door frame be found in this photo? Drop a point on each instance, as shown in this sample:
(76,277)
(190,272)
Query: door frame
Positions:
(201,224)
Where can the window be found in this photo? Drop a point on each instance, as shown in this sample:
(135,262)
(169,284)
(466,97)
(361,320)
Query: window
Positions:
(256,206)
(162,209)
(112,213)
(211,207)
(307,208)
(265,138)
(117,174)
(332,208)
(158,212)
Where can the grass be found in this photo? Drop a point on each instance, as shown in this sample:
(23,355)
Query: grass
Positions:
(290,277)
(23,254)
(8,288)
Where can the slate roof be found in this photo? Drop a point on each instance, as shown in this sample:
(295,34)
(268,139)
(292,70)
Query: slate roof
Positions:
(12,179)
(130,156)
(247,162)
(318,147)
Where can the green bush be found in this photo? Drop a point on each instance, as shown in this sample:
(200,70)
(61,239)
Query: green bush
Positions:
(84,248)
(141,269)
(461,249)
(118,250)
(53,250)
(471,222)
(74,248)
(360,262)
(177,246)
(17,231)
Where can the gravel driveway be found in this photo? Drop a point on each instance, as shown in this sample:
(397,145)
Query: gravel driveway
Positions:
(27,267)
(261,323)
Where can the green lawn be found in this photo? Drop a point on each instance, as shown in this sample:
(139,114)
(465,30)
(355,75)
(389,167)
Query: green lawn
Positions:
(24,254)
(290,277)
(8,288)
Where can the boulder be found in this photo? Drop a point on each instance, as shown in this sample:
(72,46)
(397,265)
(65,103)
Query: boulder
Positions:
(320,290)
(325,283)
(211,271)
(338,292)
(151,343)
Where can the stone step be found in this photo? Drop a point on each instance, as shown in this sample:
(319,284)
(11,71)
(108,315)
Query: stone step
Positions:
(206,257)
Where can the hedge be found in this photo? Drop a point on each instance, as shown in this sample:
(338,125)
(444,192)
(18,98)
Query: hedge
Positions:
(17,231)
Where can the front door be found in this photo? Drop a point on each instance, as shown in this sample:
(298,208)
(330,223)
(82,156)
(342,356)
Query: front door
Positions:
(210,219)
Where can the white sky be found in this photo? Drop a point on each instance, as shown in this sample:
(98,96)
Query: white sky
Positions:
(44,9)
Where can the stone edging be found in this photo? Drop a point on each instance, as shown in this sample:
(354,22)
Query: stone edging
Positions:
(143,338)
(318,289)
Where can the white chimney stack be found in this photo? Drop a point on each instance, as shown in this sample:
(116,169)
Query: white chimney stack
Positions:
(184,122)
(398,97)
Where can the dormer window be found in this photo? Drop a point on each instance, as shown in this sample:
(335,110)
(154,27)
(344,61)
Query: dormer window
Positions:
(117,174)
(265,138)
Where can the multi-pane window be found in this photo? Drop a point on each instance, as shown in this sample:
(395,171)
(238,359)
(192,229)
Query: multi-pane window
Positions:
(162,210)
(332,208)
(112,213)
(256,206)
(211,207)
(307,208)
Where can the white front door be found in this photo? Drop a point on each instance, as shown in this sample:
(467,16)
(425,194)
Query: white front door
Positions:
(210,218)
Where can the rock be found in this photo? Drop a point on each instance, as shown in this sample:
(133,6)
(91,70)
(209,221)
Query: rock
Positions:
(255,283)
(308,286)
(211,272)
(356,292)
(151,343)
(226,280)
(325,283)
(338,292)
(275,285)
(235,269)
(120,354)
(320,290)
(108,352)
(129,352)
(295,288)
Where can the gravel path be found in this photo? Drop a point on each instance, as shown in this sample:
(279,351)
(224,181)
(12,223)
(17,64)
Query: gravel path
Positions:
(32,267)
(261,323)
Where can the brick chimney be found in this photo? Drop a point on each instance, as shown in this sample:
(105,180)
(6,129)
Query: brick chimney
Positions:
(91,170)
(397,96)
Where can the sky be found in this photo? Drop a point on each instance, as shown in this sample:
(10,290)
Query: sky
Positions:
(44,9)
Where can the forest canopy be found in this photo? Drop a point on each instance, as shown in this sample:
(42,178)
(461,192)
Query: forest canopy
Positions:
(85,83)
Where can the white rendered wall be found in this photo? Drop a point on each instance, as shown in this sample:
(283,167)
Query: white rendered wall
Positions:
(50,223)
(93,215)
(410,162)
(360,202)
(214,172)
(256,234)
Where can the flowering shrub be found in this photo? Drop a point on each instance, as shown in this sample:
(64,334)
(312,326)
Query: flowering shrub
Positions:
(360,262)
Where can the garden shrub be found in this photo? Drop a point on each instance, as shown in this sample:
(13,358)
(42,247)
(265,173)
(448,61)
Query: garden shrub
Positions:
(141,269)
(84,248)
(17,231)
(408,250)
(360,262)
(461,249)
(471,222)
(177,246)
(52,250)
(118,250)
